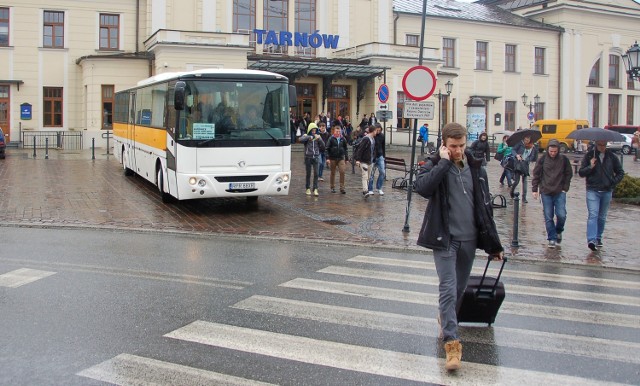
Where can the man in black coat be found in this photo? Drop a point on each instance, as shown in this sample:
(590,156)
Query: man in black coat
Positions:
(456,185)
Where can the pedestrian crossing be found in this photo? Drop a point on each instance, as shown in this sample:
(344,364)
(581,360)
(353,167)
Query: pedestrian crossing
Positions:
(22,276)
(550,330)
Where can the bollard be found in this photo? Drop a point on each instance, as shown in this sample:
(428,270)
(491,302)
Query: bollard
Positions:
(34,147)
(93,148)
(622,159)
(46,148)
(516,218)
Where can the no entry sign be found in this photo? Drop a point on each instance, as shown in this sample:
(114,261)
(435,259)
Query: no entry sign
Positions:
(419,83)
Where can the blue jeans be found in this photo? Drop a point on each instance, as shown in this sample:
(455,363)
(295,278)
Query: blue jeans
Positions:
(554,203)
(598,207)
(378,164)
(323,161)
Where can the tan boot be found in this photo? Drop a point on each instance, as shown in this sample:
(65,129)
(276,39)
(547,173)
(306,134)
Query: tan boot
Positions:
(454,355)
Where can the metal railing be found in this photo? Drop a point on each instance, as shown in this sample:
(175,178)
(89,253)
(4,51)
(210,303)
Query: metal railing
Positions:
(67,140)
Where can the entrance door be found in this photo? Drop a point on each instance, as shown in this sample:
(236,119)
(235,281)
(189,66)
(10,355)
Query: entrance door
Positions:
(5,111)
(306,102)
(338,102)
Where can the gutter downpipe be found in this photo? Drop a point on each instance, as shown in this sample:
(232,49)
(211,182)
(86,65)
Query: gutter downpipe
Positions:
(137,23)
(395,28)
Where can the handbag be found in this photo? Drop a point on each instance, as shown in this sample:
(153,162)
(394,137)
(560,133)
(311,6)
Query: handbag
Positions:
(498,156)
(298,133)
(420,139)
(509,163)
(522,167)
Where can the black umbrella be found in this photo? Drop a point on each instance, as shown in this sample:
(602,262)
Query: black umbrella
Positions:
(519,135)
(596,134)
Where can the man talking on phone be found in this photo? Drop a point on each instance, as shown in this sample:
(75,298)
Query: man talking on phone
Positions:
(456,185)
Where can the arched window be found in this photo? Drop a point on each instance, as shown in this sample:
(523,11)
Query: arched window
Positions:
(594,75)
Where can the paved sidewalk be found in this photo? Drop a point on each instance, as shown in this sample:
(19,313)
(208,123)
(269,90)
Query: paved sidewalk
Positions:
(70,189)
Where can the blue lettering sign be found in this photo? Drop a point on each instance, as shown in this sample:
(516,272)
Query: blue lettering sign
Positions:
(298,39)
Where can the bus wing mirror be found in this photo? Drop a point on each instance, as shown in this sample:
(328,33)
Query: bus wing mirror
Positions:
(293,96)
(178,96)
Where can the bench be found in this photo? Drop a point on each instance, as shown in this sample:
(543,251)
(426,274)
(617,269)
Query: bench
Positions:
(398,164)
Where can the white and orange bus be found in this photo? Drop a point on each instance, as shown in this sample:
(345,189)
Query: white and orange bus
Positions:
(207,133)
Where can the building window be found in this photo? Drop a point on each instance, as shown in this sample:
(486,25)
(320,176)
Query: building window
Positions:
(53,29)
(412,40)
(52,106)
(630,100)
(538,110)
(481,55)
(107,107)
(276,16)
(614,109)
(448,52)
(539,60)
(109,32)
(4,27)
(594,105)
(509,116)
(305,22)
(244,18)
(594,75)
(630,83)
(614,71)
(510,58)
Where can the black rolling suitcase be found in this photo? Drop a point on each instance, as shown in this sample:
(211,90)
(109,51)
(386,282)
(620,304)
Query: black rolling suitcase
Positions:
(482,298)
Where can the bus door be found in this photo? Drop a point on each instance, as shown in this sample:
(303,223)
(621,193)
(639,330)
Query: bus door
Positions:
(131,132)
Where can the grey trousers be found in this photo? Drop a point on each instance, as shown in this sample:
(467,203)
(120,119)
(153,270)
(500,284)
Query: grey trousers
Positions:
(453,267)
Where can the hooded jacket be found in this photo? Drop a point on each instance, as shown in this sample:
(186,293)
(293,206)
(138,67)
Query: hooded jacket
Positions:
(312,146)
(605,175)
(431,183)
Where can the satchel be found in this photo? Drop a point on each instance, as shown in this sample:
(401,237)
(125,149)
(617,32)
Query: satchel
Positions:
(498,156)
(522,167)
(420,139)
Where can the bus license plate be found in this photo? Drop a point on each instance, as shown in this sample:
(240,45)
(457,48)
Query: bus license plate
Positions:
(242,185)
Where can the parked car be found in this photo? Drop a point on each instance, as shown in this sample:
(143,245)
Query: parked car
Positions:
(624,147)
(3,144)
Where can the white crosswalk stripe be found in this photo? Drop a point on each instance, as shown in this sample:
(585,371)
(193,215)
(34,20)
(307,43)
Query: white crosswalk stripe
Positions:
(348,283)
(22,276)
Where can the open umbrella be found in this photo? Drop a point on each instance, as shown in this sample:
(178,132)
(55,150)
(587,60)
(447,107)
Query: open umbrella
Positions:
(596,134)
(519,135)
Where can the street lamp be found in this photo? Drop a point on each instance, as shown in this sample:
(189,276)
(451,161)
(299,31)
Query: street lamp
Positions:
(632,61)
(536,100)
(448,86)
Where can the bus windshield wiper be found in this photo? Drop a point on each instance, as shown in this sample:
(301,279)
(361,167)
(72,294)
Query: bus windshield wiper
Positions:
(266,131)
(205,142)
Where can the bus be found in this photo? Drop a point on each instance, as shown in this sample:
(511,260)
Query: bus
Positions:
(207,133)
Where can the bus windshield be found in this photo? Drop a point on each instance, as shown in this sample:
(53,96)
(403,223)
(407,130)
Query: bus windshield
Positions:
(225,112)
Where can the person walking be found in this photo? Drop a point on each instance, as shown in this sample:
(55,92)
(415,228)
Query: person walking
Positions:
(364,155)
(313,147)
(337,154)
(525,153)
(424,134)
(602,171)
(552,177)
(325,135)
(455,183)
(505,152)
(480,148)
(635,145)
(379,161)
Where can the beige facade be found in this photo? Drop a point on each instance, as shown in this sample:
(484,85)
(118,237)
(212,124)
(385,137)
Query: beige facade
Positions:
(376,36)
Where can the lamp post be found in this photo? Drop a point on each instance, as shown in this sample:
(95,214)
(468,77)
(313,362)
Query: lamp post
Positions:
(632,61)
(448,86)
(536,100)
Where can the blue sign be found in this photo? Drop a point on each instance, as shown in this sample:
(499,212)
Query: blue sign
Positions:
(25,111)
(286,38)
(530,115)
(383,93)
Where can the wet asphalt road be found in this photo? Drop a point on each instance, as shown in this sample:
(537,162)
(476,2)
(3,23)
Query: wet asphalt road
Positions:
(126,307)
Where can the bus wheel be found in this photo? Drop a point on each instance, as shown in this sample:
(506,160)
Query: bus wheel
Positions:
(127,171)
(166,197)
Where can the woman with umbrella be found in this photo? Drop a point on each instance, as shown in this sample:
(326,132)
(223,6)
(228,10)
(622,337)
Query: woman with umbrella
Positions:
(603,171)
(525,152)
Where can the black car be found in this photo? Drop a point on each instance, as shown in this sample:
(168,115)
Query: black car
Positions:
(3,144)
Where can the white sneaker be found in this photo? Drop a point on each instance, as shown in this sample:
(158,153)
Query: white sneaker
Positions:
(380,192)
(369,193)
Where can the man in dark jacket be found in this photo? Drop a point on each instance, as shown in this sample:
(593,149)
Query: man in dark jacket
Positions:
(603,172)
(552,176)
(456,185)
(378,162)
(337,154)
(365,155)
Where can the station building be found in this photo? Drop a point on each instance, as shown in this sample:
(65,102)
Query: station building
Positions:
(61,62)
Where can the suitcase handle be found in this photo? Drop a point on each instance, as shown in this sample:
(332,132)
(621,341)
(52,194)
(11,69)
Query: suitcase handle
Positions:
(490,257)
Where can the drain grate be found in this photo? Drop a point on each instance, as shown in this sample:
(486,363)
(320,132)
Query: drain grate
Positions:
(335,222)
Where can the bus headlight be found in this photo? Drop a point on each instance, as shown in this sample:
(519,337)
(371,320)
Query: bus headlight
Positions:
(285,178)
(192,180)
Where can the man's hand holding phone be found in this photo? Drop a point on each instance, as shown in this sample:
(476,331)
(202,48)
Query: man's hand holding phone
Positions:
(445,153)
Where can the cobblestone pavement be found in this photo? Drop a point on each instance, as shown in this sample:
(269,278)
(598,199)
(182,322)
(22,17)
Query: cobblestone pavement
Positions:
(70,189)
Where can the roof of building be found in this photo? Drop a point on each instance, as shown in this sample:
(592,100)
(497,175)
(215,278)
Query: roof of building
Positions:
(484,13)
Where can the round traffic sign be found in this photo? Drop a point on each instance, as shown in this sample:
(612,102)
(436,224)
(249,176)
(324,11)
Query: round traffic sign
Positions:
(419,83)
(530,115)
(383,93)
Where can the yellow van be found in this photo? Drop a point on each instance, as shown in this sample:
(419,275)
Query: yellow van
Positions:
(558,129)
